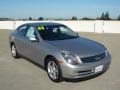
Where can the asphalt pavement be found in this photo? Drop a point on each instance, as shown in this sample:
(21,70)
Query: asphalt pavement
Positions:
(20,74)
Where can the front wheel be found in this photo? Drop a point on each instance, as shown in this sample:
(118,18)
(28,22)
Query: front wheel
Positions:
(14,51)
(53,70)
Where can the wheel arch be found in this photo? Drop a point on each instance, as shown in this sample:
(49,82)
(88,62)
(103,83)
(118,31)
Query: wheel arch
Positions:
(46,60)
(57,63)
(11,43)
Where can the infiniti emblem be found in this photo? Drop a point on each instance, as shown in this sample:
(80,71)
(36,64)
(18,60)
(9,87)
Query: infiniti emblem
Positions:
(98,58)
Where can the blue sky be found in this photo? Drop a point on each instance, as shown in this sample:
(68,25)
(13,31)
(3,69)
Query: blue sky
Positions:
(58,8)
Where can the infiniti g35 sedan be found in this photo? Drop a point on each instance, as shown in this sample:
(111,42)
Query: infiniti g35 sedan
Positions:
(59,50)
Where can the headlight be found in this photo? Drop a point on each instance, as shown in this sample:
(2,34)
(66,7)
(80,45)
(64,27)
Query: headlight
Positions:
(70,58)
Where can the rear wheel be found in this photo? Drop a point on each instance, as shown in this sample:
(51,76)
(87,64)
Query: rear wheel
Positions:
(53,70)
(14,51)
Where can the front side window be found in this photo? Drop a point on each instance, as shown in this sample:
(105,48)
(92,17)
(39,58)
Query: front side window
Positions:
(31,33)
(56,32)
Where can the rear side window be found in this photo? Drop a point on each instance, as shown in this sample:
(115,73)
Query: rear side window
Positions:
(22,30)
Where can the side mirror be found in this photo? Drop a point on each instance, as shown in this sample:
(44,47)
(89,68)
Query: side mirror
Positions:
(33,39)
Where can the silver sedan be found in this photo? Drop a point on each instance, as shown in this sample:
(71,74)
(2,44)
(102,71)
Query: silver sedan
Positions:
(62,52)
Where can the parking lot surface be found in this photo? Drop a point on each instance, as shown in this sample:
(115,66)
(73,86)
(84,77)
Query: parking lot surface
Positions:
(20,74)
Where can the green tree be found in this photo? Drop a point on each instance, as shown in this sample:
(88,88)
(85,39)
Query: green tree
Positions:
(40,18)
(102,16)
(74,18)
(107,16)
(30,18)
(118,17)
(86,18)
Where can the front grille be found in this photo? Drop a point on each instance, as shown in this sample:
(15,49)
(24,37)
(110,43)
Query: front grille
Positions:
(93,58)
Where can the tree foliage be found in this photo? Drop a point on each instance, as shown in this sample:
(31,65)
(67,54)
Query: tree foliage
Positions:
(105,16)
(118,17)
(40,18)
(74,18)
(86,18)
(102,16)
(30,18)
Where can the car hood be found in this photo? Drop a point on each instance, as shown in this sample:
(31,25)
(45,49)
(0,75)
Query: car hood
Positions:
(79,46)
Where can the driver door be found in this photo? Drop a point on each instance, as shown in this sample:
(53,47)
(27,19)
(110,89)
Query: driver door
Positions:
(32,45)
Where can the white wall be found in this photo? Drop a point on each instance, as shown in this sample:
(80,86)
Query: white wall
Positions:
(112,27)
(6,25)
(78,26)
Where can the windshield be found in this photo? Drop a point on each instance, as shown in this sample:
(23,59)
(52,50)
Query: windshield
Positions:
(56,32)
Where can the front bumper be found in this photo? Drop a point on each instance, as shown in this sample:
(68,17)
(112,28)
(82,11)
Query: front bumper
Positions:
(84,70)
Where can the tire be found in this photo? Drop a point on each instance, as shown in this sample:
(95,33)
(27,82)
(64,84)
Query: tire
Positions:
(14,51)
(53,70)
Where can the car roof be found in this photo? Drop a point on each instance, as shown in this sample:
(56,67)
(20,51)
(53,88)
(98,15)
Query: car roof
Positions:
(43,24)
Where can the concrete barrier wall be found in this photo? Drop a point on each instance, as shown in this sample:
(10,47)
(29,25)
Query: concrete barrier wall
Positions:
(6,25)
(78,26)
(111,27)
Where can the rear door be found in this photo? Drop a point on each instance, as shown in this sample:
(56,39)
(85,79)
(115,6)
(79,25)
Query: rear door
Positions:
(20,39)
